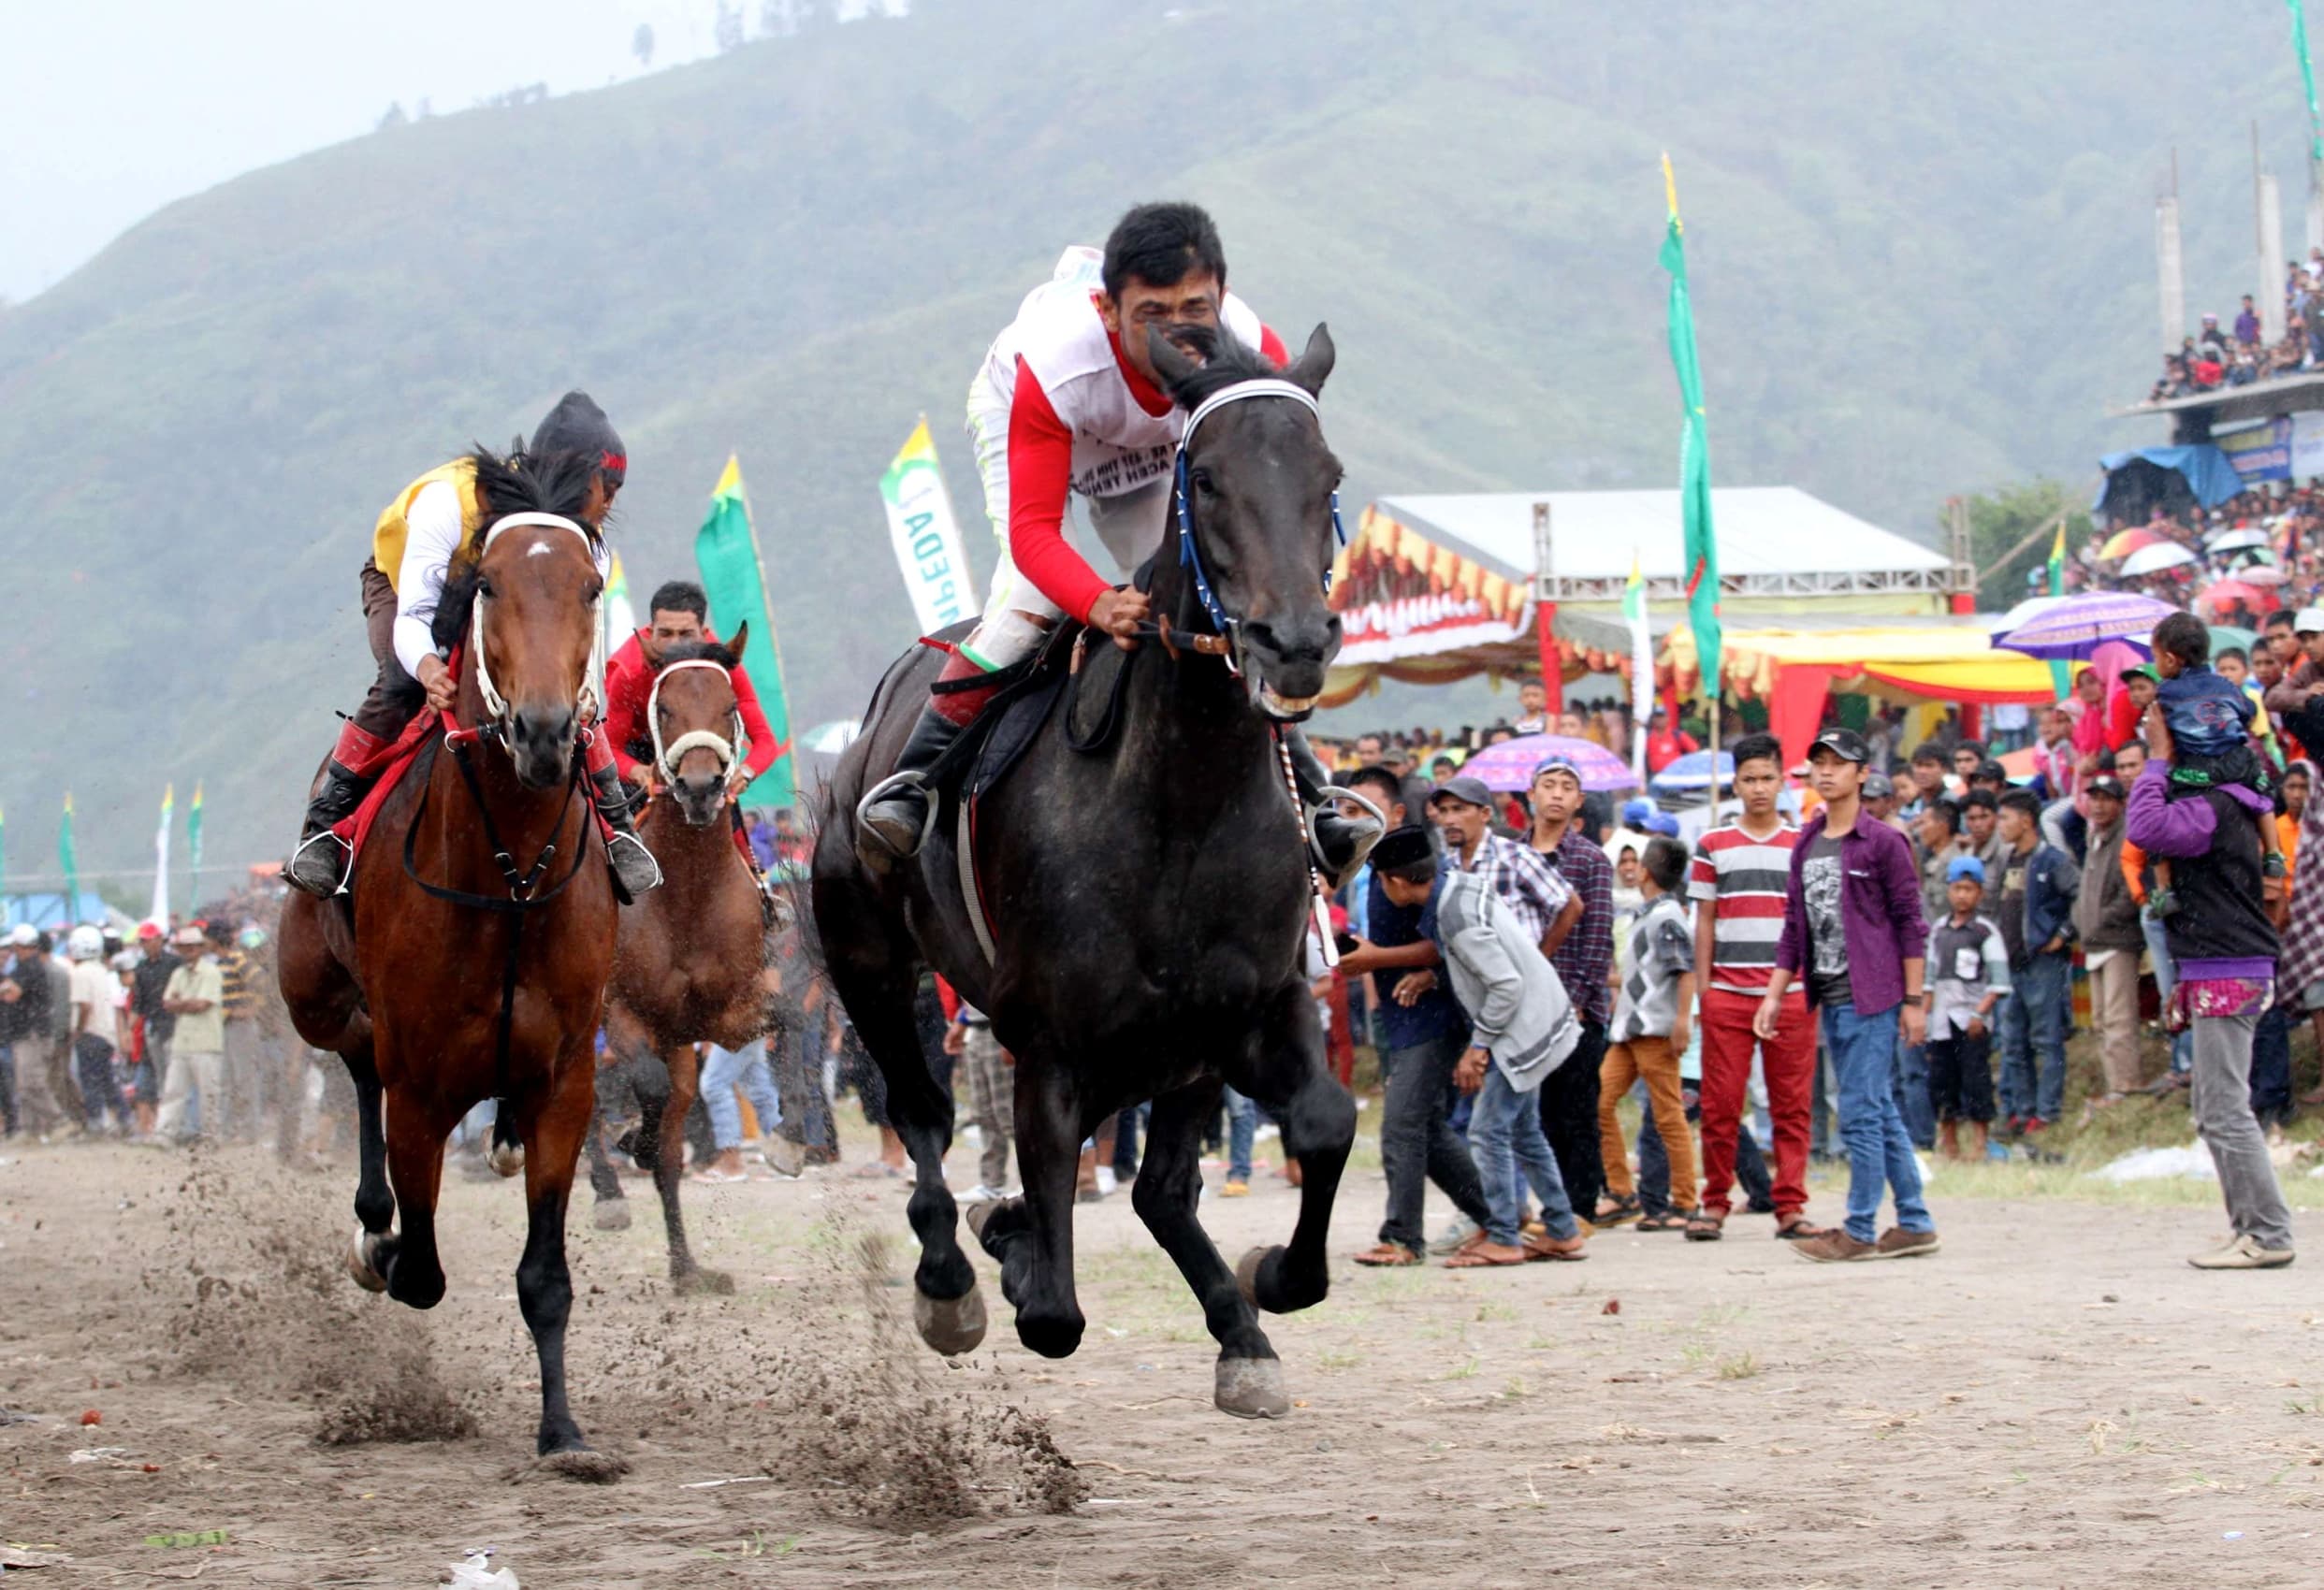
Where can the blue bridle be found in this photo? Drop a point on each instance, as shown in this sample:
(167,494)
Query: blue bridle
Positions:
(1189,553)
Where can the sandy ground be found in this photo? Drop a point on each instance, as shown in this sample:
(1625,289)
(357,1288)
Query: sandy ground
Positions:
(2055,1399)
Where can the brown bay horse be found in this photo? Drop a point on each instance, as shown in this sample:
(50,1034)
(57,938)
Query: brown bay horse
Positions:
(468,958)
(689,968)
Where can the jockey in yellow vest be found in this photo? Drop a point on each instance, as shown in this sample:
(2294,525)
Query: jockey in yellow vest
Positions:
(432,525)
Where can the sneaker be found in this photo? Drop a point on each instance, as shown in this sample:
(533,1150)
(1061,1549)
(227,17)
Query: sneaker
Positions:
(1107,1181)
(1898,1243)
(2242,1253)
(1233,1189)
(1452,1237)
(982,1193)
(1835,1247)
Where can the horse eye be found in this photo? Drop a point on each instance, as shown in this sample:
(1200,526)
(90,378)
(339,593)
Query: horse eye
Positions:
(483,586)
(596,589)
(1203,484)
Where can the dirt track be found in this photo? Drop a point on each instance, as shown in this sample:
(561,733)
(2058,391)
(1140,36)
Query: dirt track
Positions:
(2055,1398)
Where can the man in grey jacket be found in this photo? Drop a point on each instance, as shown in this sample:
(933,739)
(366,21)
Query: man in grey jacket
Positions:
(1522,1027)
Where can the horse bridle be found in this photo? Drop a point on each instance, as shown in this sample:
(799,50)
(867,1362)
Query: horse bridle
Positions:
(730,749)
(587,702)
(1189,549)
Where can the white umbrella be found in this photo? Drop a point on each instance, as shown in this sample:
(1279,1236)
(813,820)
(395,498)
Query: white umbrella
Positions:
(2260,575)
(2236,541)
(831,738)
(2154,559)
(2021,614)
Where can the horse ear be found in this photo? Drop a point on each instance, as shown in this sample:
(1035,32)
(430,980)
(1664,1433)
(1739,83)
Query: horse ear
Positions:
(734,646)
(1312,368)
(1172,362)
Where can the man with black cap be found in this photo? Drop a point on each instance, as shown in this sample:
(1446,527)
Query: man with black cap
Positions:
(432,524)
(1462,810)
(1853,932)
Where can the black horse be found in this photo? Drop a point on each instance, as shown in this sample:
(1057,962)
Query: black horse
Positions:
(1148,902)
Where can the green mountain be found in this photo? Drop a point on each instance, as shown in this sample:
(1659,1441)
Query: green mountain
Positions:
(1921,239)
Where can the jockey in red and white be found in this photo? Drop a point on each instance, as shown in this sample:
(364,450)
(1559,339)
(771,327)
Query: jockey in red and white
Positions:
(1068,402)
(679,615)
(433,523)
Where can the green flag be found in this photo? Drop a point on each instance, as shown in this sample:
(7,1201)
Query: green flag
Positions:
(2307,78)
(194,848)
(71,864)
(2061,675)
(727,550)
(1701,561)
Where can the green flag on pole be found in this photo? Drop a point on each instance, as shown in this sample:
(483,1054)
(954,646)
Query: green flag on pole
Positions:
(1694,500)
(71,864)
(2307,78)
(194,848)
(734,576)
(2061,675)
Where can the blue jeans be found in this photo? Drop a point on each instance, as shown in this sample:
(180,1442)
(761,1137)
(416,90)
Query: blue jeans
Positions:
(2271,1065)
(2167,980)
(2034,1017)
(1506,1125)
(721,1073)
(1912,1103)
(1880,1154)
(1241,1123)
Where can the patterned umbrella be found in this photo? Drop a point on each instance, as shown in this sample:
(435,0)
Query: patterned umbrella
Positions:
(2076,626)
(2123,543)
(1509,766)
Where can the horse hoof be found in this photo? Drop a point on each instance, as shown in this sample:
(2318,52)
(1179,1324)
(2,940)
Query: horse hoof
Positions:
(359,1265)
(703,1283)
(584,1463)
(950,1326)
(611,1214)
(506,1159)
(1252,1388)
(979,1217)
(1247,1274)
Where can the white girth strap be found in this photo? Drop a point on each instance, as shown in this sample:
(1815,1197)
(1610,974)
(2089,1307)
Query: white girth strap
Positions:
(730,750)
(589,700)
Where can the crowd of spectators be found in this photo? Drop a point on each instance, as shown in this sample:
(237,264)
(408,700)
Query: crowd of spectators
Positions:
(2239,354)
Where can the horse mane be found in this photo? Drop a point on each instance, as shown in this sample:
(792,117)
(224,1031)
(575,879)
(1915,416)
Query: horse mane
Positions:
(697,651)
(514,481)
(1226,360)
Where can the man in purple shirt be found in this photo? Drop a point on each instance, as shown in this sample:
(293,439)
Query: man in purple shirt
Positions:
(2225,946)
(2248,325)
(1853,930)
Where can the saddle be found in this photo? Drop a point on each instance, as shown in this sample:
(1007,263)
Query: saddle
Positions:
(389,768)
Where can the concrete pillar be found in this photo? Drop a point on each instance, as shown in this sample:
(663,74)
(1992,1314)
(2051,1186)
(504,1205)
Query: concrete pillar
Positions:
(2271,257)
(2172,271)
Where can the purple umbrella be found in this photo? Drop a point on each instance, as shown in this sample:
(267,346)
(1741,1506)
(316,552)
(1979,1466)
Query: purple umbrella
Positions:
(1509,766)
(2074,627)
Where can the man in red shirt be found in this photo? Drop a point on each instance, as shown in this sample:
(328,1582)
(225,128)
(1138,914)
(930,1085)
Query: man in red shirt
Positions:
(1068,402)
(1667,745)
(679,614)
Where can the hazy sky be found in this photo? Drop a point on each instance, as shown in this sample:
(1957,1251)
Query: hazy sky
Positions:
(109,109)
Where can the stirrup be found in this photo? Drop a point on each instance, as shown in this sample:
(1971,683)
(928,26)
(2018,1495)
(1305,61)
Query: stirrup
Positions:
(1367,831)
(623,860)
(339,865)
(897,782)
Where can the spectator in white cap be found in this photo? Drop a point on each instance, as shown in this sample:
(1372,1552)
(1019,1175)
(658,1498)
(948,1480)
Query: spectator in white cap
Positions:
(195,997)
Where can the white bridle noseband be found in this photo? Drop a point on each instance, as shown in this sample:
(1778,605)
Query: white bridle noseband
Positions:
(730,750)
(588,701)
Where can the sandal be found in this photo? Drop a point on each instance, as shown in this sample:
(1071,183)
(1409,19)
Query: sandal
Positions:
(1544,1247)
(1670,1220)
(1389,1255)
(1704,1227)
(1476,1258)
(1619,1211)
(1799,1228)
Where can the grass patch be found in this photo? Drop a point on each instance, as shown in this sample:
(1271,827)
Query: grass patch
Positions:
(1739,1366)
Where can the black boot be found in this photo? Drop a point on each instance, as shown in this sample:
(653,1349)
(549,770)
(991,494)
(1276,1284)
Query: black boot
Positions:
(892,819)
(319,864)
(1340,844)
(635,871)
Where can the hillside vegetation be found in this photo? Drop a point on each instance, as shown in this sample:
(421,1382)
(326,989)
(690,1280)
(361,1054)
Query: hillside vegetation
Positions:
(1921,238)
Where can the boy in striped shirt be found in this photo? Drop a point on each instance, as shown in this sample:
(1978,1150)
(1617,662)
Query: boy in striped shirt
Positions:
(1740,872)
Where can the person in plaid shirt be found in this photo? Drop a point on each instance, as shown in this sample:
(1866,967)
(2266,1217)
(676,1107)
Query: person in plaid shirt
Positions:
(1585,960)
(1545,907)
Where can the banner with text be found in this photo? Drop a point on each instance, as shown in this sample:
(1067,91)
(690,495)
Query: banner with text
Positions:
(2261,452)
(927,539)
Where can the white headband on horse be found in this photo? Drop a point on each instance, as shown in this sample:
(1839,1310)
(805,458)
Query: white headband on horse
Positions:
(730,750)
(588,700)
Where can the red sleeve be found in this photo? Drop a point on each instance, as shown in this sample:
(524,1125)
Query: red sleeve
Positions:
(626,690)
(1272,348)
(1041,470)
(2122,719)
(764,749)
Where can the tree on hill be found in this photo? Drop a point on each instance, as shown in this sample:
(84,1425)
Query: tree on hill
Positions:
(726,32)
(2008,519)
(642,45)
